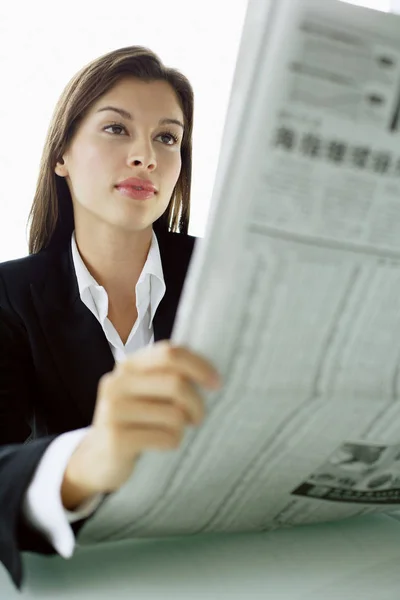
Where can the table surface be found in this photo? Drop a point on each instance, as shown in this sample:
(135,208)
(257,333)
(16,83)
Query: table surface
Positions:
(349,560)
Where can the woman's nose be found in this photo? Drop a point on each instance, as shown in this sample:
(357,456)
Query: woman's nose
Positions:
(142,155)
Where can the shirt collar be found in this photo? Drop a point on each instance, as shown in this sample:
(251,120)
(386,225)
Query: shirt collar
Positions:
(84,278)
(152,271)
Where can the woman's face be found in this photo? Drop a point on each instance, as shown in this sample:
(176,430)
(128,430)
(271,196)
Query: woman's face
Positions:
(134,130)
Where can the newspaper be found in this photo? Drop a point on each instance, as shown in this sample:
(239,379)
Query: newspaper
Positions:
(294,293)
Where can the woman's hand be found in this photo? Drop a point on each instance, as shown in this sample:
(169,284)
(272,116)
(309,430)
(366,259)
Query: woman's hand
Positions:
(145,403)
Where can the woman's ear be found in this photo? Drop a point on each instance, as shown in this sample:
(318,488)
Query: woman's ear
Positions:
(61,168)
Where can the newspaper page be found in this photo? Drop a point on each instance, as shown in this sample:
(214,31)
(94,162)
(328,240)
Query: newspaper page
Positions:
(294,293)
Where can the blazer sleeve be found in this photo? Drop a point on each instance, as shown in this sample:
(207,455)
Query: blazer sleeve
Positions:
(19,457)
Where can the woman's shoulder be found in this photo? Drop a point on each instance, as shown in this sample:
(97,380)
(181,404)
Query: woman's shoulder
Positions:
(175,245)
(18,274)
(176,248)
(179,240)
(25,268)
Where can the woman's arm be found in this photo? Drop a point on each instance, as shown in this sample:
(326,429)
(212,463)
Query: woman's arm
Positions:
(43,508)
(18,459)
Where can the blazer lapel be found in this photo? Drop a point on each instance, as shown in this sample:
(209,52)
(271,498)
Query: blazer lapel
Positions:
(76,339)
(176,251)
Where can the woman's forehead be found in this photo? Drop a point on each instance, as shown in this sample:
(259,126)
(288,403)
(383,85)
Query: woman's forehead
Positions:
(133,95)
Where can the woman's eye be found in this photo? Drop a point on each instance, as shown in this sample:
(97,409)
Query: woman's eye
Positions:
(169,139)
(116,127)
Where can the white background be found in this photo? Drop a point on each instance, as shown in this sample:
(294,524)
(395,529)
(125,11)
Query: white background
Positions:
(42,45)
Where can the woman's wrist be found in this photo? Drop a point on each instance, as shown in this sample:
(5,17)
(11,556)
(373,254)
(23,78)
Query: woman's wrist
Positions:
(73,494)
(75,488)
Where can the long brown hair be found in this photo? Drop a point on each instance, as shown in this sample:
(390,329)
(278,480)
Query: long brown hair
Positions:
(51,216)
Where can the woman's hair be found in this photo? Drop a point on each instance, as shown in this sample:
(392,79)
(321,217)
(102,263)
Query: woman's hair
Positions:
(51,216)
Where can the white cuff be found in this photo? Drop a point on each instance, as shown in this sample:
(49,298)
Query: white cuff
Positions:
(42,506)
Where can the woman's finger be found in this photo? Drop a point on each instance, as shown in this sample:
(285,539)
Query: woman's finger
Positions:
(166,357)
(150,413)
(156,386)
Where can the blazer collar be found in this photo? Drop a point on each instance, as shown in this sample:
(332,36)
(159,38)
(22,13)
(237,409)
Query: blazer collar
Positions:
(77,343)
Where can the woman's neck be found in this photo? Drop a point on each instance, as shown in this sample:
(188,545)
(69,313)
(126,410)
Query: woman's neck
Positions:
(115,259)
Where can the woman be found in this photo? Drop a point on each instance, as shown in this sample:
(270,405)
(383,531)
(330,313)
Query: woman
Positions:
(83,389)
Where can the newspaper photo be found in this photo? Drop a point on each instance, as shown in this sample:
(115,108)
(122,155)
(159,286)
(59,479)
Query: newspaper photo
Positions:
(294,292)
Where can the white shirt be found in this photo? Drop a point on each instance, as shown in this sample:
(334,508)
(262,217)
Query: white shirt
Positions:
(42,506)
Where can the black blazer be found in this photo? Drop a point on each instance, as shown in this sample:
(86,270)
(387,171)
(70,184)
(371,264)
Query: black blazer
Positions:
(53,352)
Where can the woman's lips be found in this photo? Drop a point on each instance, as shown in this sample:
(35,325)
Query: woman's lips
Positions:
(135,193)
